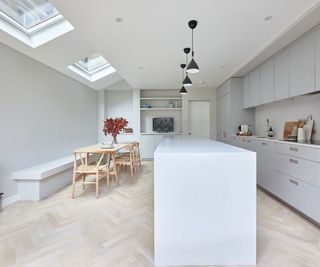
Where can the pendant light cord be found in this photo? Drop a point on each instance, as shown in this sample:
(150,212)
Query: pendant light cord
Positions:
(192,53)
(182,75)
(187,63)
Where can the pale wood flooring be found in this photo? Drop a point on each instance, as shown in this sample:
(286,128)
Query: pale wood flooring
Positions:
(117,230)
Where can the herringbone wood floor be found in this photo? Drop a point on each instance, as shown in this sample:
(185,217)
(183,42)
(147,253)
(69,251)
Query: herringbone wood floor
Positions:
(117,230)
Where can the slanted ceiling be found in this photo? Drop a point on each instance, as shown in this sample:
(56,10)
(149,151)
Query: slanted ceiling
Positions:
(232,37)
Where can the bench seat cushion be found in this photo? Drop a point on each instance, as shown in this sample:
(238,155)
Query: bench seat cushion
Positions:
(42,171)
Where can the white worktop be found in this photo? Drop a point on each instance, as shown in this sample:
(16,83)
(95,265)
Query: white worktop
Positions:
(204,203)
(273,139)
(188,144)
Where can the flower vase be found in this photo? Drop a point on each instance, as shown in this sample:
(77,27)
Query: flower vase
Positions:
(114,141)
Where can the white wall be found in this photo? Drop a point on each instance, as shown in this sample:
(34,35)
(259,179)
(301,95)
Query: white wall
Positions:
(288,110)
(120,100)
(200,94)
(44,115)
(119,104)
(101,114)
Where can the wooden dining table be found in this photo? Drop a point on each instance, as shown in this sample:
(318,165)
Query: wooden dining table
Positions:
(99,149)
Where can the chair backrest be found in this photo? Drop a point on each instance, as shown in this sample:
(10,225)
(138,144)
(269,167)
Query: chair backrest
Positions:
(83,159)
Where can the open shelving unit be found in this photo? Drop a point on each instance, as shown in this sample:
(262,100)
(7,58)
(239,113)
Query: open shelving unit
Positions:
(160,103)
(157,104)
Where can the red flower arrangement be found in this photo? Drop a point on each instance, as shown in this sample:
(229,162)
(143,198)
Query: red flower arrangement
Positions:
(114,127)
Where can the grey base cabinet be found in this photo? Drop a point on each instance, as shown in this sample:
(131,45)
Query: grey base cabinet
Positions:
(291,172)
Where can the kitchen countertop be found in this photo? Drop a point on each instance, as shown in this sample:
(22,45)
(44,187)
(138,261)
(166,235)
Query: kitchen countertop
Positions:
(190,144)
(314,143)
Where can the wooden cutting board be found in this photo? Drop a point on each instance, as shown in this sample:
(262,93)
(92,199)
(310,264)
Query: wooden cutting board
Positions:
(288,127)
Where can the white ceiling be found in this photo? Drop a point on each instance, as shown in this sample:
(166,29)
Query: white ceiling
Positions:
(230,33)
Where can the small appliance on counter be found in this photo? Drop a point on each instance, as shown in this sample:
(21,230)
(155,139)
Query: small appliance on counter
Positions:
(245,130)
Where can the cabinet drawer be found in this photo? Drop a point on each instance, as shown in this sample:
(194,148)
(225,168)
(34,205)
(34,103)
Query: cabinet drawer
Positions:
(250,144)
(305,170)
(299,151)
(298,194)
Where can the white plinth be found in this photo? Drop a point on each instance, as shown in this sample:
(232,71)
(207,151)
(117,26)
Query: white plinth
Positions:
(205,203)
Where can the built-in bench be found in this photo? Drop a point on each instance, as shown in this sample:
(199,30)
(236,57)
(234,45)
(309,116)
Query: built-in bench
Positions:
(43,180)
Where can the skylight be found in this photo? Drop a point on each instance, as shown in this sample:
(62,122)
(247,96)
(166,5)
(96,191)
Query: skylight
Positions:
(92,63)
(92,68)
(33,22)
(28,13)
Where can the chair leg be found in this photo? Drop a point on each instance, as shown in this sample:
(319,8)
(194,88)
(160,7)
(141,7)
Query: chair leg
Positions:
(83,180)
(73,185)
(97,186)
(131,170)
(115,168)
(108,182)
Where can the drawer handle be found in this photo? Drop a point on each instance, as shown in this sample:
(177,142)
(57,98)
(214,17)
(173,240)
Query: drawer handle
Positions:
(264,143)
(294,182)
(248,141)
(294,161)
(295,149)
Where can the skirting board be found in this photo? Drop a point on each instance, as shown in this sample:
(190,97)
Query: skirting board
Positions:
(10,200)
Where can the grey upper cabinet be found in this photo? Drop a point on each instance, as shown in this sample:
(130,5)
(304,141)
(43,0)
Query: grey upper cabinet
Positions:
(302,63)
(254,88)
(267,82)
(293,72)
(245,94)
(317,37)
(281,76)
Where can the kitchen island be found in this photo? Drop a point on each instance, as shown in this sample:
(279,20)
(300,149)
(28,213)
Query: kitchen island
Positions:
(204,203)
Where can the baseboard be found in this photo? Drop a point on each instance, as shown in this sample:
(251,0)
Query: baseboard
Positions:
(10,200)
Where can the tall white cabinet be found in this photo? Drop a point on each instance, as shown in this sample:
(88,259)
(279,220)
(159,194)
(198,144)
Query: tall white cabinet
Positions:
(230,111)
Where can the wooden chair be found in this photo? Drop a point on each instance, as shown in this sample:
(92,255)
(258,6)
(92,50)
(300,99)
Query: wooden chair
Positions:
(131,158)
(84,166)
(138,155)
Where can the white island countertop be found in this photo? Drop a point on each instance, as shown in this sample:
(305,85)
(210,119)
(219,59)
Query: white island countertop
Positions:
(204,203)
(189,144)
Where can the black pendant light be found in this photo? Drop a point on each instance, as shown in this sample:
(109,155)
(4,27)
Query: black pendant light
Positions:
(183,90)
(193,66)
(187,81)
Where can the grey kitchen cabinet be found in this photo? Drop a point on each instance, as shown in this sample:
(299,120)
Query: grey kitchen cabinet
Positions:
(244,142)
(300,195)
(224,112)
(281,76)
(302,66)
(298,176)
(254,88)
(265,163)
(245,93)
(289,171)
(317,37)
(230,110)
(267,82)
(249,144)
